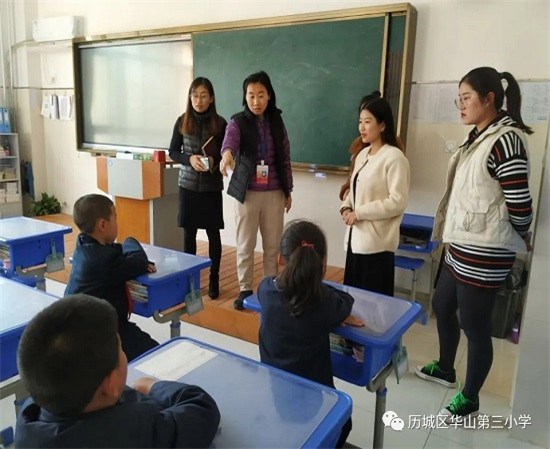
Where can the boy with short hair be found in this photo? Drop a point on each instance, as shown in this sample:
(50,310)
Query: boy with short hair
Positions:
(71,361)
(101,267)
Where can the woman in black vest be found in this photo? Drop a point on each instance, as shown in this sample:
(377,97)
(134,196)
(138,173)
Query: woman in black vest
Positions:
(196,143)
(256,147)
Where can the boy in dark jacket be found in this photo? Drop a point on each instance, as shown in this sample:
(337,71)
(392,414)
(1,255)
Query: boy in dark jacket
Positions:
(71,361)
(101,267)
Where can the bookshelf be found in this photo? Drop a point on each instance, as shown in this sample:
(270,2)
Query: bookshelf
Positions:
(11,204)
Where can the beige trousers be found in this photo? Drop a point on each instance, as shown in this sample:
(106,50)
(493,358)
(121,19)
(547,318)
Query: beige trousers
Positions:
(263,211)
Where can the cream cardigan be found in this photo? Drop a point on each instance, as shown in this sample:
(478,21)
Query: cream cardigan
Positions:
(381,196)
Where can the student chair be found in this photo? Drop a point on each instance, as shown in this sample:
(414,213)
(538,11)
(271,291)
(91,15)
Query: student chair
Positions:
(413,264)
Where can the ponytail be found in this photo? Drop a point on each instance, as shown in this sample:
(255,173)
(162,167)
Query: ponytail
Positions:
(301,279)
(303,247)
(513,101)
(486,79)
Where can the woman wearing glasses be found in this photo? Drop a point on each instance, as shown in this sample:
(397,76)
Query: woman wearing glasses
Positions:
(484,217)
(195,144)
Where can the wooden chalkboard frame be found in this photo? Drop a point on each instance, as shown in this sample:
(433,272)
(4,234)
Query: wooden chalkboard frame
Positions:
(397,80)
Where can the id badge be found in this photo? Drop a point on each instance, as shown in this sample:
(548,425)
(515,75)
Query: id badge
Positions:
(262,172)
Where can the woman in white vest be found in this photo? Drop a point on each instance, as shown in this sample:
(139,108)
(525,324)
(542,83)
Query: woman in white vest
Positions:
(484,217)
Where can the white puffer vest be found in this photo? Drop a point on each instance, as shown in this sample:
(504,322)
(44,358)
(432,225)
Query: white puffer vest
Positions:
(473,210)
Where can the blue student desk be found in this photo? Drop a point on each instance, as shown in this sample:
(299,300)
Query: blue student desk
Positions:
(175,283)
(260,406)
(27,242)
(18,305)
(416,234)
(386,320)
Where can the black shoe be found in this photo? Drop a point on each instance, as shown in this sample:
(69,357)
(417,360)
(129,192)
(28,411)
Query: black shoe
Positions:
(433,373)
(460,409)
(239,302)
(214,286)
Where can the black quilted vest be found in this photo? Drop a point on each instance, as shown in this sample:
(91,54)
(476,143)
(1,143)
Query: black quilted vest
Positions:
(245,163)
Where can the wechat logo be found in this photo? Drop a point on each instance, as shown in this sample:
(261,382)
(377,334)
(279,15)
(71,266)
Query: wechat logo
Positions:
(390,419)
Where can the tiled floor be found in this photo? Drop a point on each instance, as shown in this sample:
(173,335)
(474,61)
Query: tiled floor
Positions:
(413,397)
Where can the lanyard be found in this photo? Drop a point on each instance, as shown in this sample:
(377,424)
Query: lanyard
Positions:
(263,141)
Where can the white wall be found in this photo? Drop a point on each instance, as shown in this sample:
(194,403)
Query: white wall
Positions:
(453,37)
(532,389)
(313,198)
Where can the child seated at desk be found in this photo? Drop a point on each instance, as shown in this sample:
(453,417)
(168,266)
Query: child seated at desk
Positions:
(71,361)
(101,267)
(299,311)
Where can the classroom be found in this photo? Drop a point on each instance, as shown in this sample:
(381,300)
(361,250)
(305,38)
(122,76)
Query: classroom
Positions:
(452,37)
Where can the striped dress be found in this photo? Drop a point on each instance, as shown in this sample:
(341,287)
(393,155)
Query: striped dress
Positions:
(507,163)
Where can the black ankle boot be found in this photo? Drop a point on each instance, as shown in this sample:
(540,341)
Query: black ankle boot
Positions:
(214,286)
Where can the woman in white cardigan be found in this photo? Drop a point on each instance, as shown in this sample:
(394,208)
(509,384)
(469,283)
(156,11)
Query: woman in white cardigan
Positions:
(378,198)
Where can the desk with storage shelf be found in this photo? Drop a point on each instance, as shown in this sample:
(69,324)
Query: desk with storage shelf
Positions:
(18,304)
(260,406)
(415,236)
(386,320)
(175,284)
(26,245)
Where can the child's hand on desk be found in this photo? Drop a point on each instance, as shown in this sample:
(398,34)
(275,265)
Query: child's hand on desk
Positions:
(144,384)
(151,268)
(353,321)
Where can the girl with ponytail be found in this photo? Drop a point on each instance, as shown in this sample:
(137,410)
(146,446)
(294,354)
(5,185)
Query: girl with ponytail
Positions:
(484,217)
(299,310)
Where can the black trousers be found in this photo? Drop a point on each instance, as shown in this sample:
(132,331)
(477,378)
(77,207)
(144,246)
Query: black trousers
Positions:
(474,306)
(373,272)
(346,429)
(214,246)
(134,341)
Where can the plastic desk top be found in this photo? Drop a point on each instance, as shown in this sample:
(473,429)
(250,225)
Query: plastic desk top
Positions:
(261,406)
(386,318)
(20,229)
(19,304)
(414,221)
(170,263)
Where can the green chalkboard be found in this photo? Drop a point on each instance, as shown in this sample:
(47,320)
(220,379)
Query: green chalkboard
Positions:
(319,72)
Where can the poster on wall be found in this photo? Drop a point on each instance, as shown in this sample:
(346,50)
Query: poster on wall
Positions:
(434,102)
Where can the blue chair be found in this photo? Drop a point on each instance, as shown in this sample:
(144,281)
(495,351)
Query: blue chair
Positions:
(410,263)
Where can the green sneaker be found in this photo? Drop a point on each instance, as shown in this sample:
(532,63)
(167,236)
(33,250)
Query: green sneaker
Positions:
(460,408)
(432,372)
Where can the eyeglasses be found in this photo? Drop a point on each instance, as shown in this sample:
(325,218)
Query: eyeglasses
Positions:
(462,102)
(199,97)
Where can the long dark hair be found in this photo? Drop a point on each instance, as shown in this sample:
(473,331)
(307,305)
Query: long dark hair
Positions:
(304,248)
(381,110)
(262,78)
(486,79)
(367,99)
(188,121)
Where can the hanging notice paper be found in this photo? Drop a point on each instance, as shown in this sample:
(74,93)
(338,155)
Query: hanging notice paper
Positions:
(535,101)
(65,107)
(55,107)
(46,106)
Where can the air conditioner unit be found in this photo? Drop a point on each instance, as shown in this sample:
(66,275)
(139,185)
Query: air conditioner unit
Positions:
(57,28)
